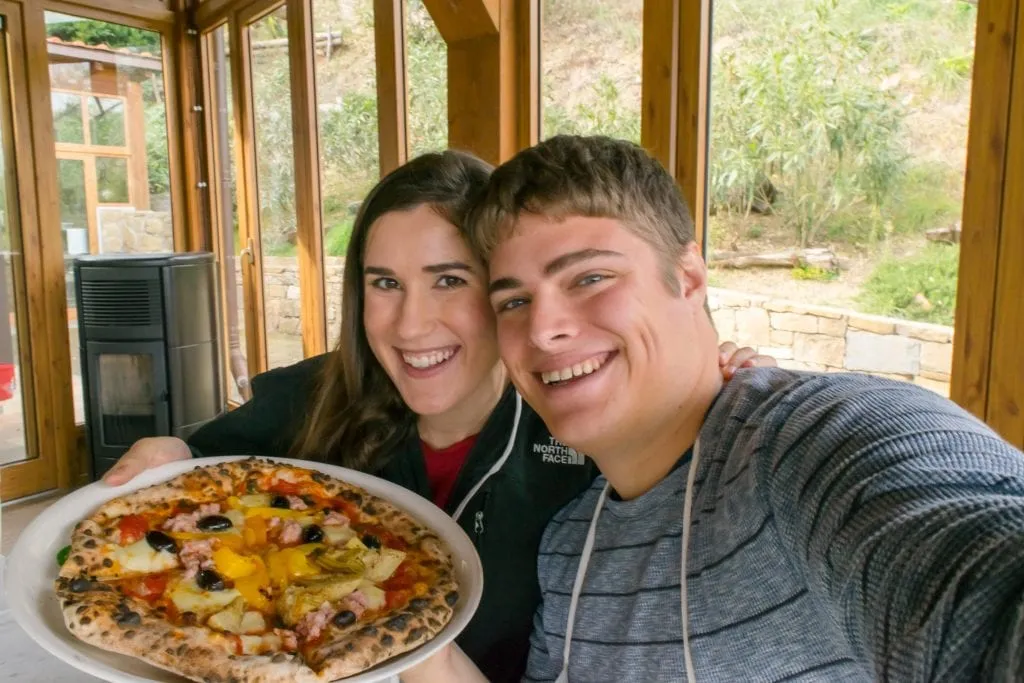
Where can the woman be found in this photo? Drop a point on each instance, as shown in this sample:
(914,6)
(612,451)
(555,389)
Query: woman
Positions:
(415,392)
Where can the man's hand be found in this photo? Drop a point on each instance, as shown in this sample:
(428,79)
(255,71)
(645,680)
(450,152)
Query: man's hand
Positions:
(146,454)
(731,358)
(447,665)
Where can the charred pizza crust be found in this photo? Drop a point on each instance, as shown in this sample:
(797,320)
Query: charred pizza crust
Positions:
(97,613)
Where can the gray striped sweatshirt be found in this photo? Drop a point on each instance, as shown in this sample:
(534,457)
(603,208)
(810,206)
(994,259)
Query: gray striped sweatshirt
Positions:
(845,528)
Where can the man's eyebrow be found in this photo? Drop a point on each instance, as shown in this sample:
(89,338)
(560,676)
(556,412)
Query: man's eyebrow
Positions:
(573,257)
(446,266)
(504,283)
(560,263)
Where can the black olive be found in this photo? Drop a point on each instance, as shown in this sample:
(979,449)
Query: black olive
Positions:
(371,541)
(210,580)
(280,502)
(312,534)
(344,618)
(214,523)
(81,585)
(158,540)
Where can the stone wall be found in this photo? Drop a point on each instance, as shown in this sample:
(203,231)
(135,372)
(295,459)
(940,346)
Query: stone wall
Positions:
(825,339)
(281,293)
(799,336)
(125,230)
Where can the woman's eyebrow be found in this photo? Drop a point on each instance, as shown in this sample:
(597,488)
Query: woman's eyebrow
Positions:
(446,266)
(377,270)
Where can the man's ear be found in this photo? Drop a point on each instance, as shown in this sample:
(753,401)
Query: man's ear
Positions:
(692,273)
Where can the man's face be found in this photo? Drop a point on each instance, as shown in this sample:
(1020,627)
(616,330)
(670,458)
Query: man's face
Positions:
(591,333)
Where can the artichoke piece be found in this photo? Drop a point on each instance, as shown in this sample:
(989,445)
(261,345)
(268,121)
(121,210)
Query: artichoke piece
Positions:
(340,560)
(381,564)
(300,599)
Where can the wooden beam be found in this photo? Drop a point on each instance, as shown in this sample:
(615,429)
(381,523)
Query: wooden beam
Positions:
(1005,411)
(659,94)
(984,191)
(52,364)
(148,14)
(392,97)
(490,111)
(43,439)
(527,62)
(306,151)
(190,192)
(247,194)
(692,117)
(459,20)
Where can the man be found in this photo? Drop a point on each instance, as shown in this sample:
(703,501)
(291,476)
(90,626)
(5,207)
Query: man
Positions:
(832,527)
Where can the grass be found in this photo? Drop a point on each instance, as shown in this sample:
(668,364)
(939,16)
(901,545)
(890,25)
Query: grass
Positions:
(921,288)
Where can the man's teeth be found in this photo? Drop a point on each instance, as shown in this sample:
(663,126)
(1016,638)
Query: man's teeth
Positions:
(585,368)
(422,361)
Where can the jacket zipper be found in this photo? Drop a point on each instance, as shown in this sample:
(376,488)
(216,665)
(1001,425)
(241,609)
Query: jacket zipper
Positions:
(478,520)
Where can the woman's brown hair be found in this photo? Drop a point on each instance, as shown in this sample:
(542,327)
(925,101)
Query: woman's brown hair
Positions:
(357,418)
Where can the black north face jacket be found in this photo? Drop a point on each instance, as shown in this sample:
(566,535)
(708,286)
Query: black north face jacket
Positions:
(514,479)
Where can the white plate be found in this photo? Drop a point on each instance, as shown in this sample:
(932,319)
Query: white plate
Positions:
(32,568)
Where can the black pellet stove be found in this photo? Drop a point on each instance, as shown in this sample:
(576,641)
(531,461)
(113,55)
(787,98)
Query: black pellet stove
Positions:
(149,332)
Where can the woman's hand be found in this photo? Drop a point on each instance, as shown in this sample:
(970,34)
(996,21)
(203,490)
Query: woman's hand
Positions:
(731,358)
(146,454)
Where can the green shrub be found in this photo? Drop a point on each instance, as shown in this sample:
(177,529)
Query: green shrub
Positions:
(920,288)
(336,240)
(807,114)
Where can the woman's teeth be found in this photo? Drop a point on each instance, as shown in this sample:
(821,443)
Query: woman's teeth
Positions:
(585,368)
(427,360)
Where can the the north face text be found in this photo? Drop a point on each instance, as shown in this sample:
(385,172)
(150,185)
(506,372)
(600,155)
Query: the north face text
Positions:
(558,453)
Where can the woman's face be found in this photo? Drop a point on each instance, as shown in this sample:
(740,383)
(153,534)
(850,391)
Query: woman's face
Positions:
(427,315)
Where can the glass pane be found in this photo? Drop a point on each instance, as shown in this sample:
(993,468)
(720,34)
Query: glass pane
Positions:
(275,180)
(346,92)
(13,444)
(104,64)
(850,186)
(591,67)
(112,180)
(106,121)
(67,118)
(226,210)
(426,58)
(126,397)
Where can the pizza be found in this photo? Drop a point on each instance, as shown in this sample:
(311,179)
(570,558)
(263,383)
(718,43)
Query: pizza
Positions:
(253,570)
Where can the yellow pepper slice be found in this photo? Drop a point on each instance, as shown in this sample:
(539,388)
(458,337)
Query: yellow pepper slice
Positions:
(255,531)
(277,512)
(250,586)
(231,564)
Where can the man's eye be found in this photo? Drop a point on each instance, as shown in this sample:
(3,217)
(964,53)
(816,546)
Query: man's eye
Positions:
(511,304)
(384,283)
(450,281)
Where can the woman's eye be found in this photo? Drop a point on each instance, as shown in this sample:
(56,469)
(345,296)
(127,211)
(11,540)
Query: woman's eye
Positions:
(384,283)
(593,278)
(450,281)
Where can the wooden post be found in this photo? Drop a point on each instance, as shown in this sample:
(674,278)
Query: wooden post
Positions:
(984,191)
(392,100)
(660,81)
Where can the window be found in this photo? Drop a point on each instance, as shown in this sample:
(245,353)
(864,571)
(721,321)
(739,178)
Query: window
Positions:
(838,139)
(590,57)
(110,130)
(426,61)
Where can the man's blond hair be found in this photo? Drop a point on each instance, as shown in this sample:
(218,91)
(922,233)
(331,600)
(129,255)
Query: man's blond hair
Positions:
(594,176)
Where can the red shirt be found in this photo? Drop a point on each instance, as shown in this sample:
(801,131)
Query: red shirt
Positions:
(443,467)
